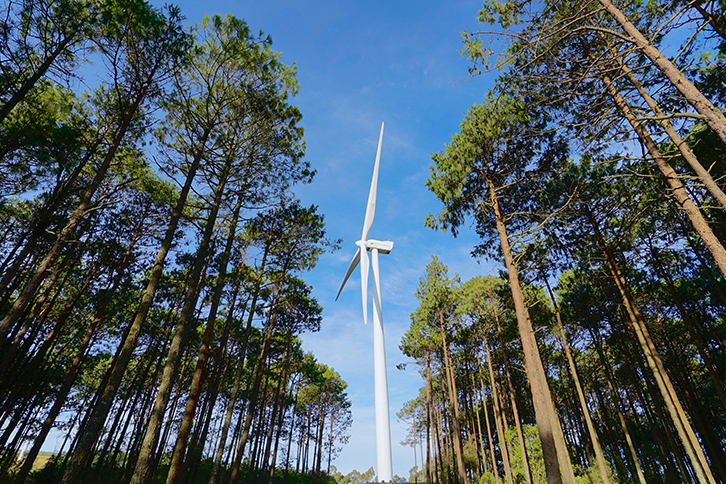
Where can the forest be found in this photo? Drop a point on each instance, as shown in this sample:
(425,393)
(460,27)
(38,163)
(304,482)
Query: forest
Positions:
(153,253)
(594,174)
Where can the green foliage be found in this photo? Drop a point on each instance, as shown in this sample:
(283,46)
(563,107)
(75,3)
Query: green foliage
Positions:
(53,471)
(534,454)
(356,477)
(506,14)
(502,150)
(78,191)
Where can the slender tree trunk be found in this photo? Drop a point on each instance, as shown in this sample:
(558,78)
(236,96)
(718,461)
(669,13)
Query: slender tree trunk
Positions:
(227,421)
(673,405)
(680,194)
(499,417)
(197,379)
(116,373)
(486,417)
(428,418)
(554,450)
(252,405)
(600,458)
(280,421)
(223,362)
(240,366)
(321,427)
(439,431)
(25,375)
(513,402)
(481,451)
(453,398)
(713,116)
(657,417)
(75,365)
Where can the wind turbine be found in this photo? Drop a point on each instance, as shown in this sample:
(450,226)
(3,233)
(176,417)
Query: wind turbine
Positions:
(383,430)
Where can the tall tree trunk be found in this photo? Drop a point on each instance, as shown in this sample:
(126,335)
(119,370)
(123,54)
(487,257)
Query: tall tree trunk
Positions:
(319,451)
(116,373)
(453,398)
(75,365)
(657,416)
(240,366)
(595,440)
(199,372)
(223,362)
(176,349)
(252,405)
(428,418)
(481,451)
(680,194)
(495,471)
(554,450)
(439,431)
(281,415)
(227,421)
(513,403)
(499,417)
(675,410)
(713,116)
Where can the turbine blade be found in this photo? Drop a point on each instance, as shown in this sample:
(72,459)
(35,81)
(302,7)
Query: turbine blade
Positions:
(351,268)
(371,207)
(364,282)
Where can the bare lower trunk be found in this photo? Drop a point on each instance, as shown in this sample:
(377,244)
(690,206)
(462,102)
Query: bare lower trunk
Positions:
(428,419)
(675,410)
(199,373)
(116,373)
(251,408)
(489,428)
(453,398)
(621,418)
(499,418)
(594,439)
(554,450)
(481,452)
(513,403)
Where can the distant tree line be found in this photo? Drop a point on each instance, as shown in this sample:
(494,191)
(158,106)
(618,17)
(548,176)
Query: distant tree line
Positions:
(594,169)
(152,252)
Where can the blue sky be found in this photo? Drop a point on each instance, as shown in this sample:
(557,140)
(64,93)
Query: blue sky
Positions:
(360,64)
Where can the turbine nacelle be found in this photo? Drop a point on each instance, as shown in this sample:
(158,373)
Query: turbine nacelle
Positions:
(383,247)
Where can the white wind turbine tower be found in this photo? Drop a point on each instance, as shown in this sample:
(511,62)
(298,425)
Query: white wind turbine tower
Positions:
(383,431)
